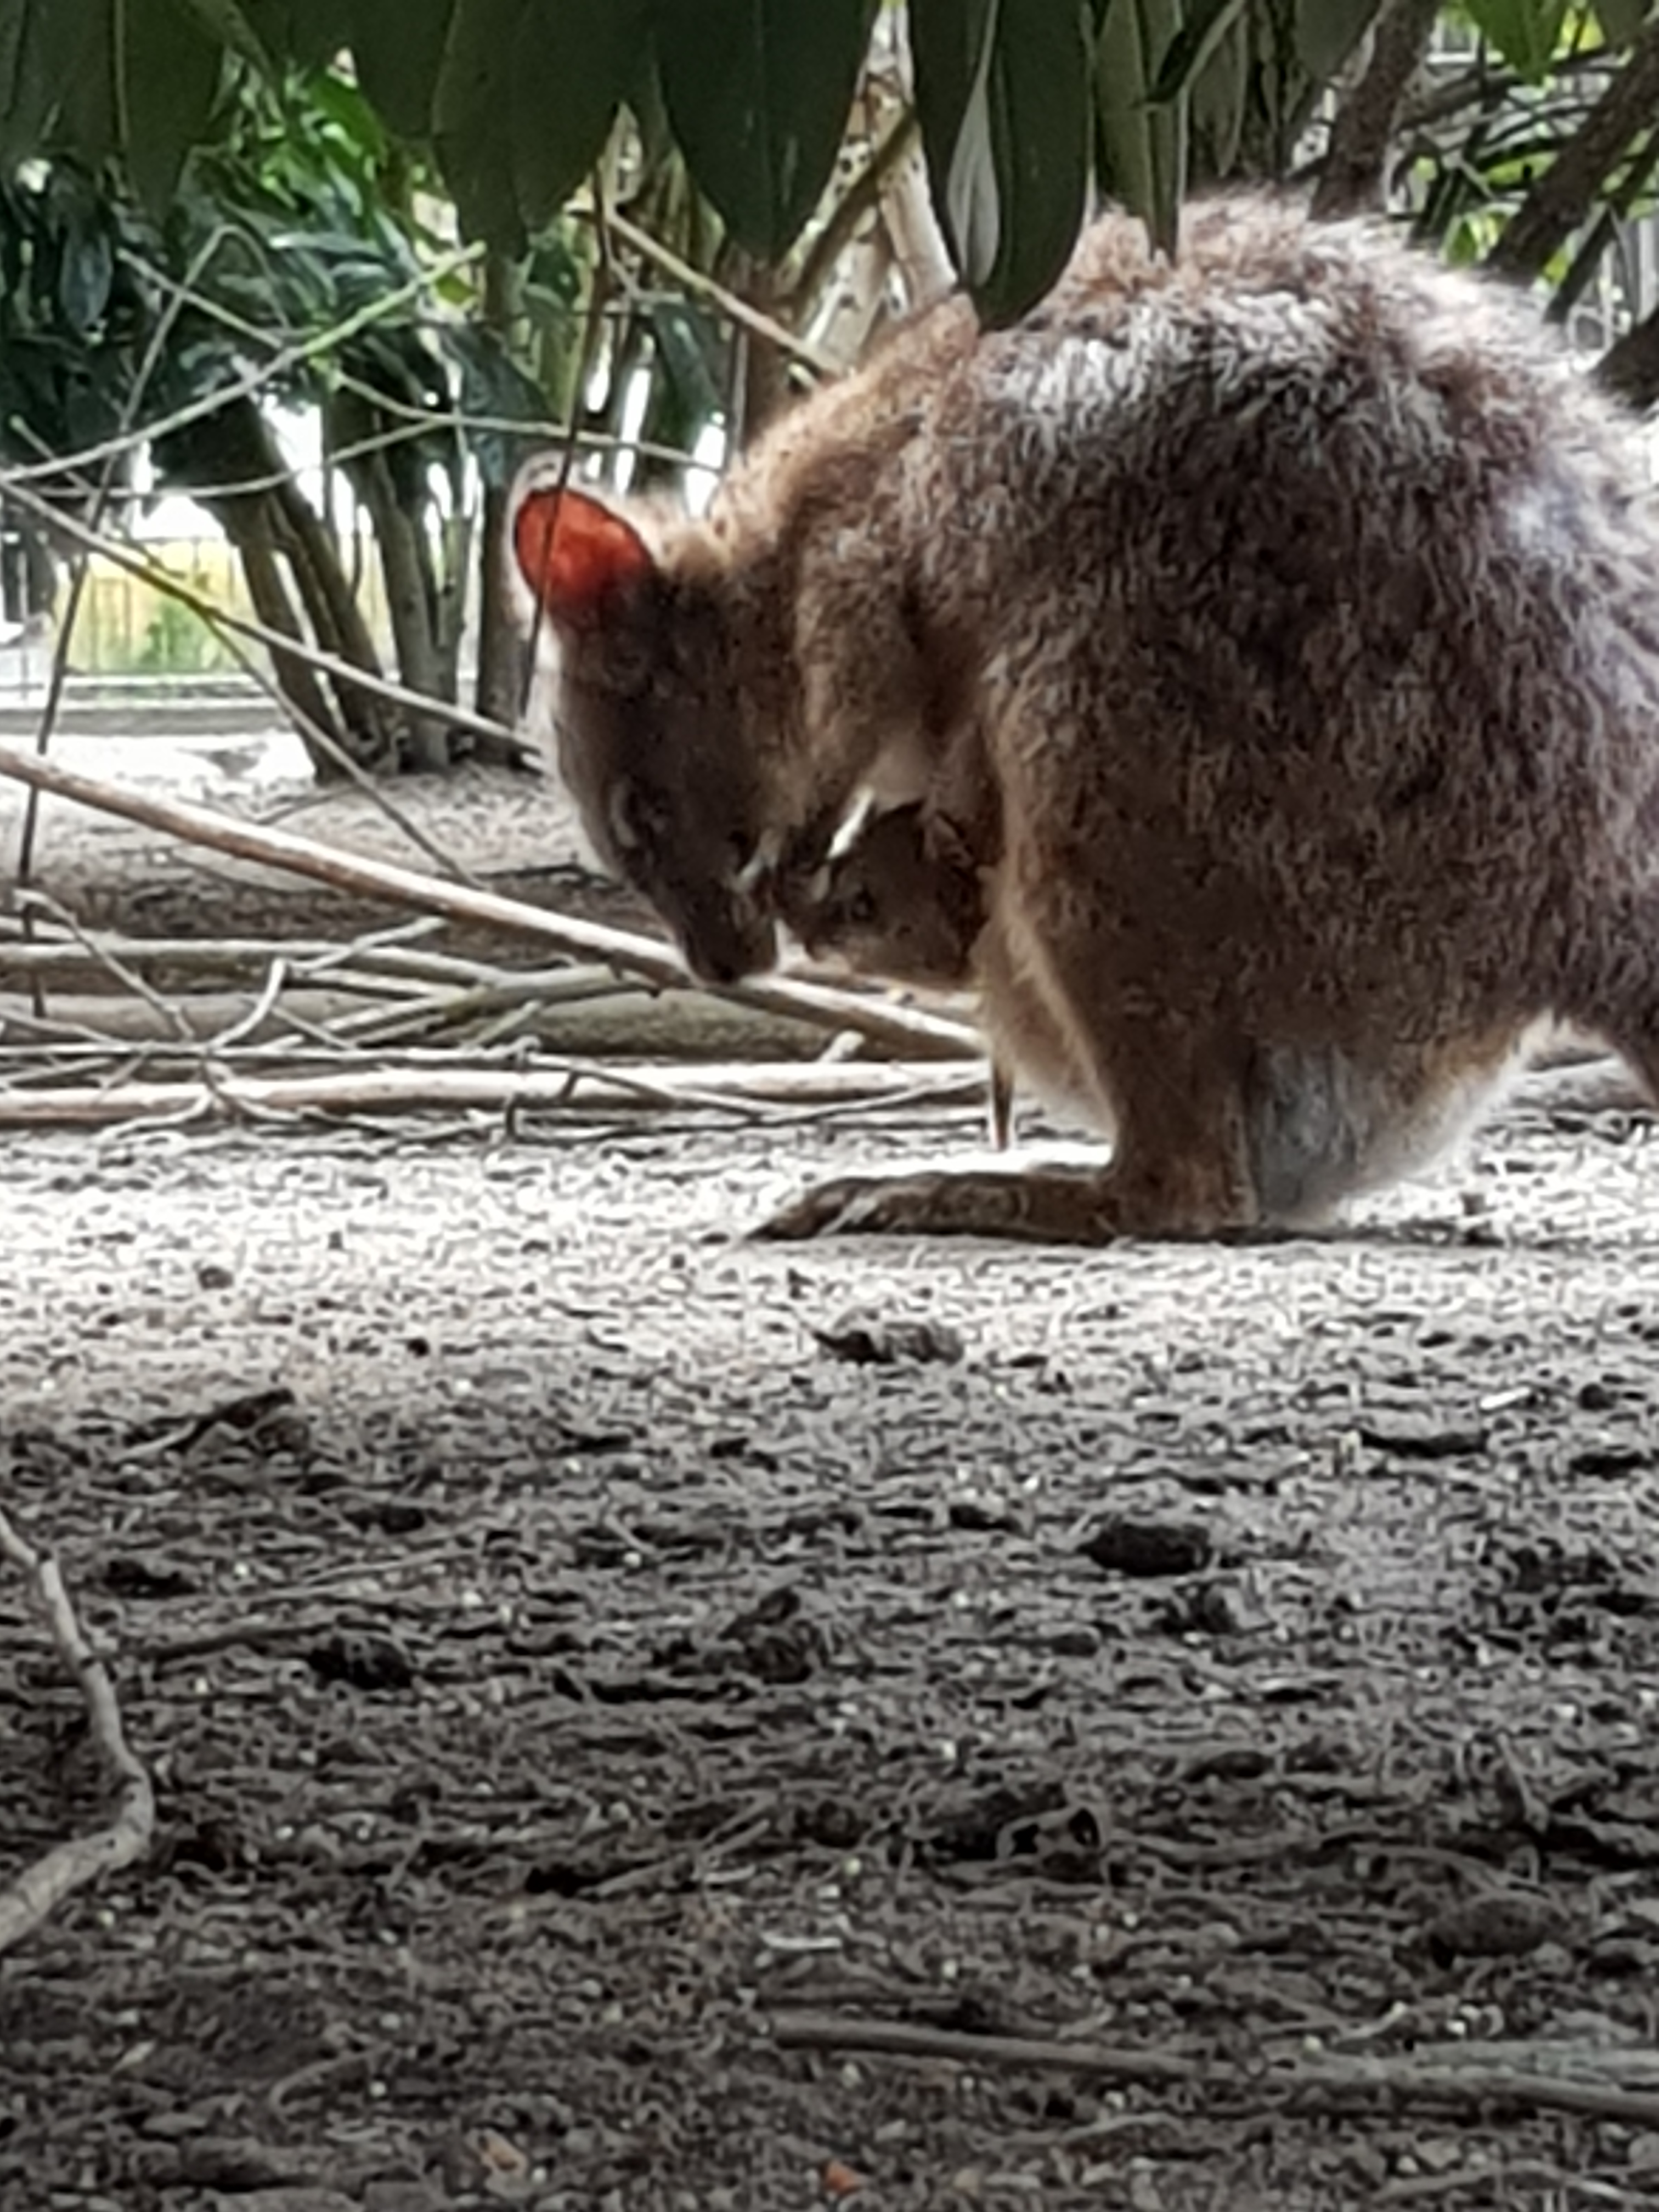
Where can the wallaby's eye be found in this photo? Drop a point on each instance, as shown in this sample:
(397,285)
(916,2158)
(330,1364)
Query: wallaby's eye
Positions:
(860,909)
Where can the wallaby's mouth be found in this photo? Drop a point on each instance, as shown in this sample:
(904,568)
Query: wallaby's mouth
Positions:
(724,937)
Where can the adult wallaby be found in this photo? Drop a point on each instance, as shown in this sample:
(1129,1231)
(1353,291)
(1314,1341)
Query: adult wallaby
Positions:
(1298,604)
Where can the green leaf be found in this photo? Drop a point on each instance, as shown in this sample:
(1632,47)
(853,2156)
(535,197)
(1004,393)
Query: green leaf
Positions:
(170,71)
(1192,46)
(228,23)
(1620,20)
(473,99)
(1328,31)
(571,62)
(1216,105)
(27,95)
(758,92)
(1525,32)
(1002,92)
(308,32)
(74,50)
(1144,149)
(493,389)
(398,48)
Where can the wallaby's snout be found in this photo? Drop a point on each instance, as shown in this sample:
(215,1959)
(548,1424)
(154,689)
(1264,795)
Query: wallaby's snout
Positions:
(722,937)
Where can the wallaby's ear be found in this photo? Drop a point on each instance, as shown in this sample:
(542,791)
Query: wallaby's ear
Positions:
(573,552)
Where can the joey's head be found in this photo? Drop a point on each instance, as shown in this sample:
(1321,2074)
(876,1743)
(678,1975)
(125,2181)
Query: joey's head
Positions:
(649,732)
(888,898)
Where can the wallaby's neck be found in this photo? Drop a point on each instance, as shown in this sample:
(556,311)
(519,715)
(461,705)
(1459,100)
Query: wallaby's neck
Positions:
(814,544)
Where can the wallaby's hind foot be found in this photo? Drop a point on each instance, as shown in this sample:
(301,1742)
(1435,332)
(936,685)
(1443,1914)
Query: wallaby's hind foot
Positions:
(1165,1197)
(1045,1205)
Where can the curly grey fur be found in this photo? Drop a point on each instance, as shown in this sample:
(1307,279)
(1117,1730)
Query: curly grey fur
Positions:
(1296,606)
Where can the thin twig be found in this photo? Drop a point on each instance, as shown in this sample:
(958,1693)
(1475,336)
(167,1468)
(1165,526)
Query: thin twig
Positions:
(736,310)
(34,901)
(860,199)
(98,505)
(42,1888)
(1308,2086)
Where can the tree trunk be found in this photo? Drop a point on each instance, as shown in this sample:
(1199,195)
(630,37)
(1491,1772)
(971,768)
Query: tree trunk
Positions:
(500,682)
(248,529)
(1352,177)
(229,461)
(500,656)
(1565,195)
(337,622)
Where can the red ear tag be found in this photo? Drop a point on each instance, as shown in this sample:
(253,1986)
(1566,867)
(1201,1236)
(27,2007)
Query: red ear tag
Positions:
(572,551)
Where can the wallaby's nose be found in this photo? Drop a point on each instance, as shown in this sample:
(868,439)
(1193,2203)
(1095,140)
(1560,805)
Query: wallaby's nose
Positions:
(722,946)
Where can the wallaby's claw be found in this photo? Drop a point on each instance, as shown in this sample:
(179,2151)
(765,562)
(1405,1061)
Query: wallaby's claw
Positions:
(965,1205)
(848,1203)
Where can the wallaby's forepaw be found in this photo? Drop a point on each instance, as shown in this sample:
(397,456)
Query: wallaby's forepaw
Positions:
(970,1204)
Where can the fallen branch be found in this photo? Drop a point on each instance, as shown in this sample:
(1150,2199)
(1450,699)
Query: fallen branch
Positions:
(1318,2084)
(613,1022)
(898,1029)
(42,1888)
(223,1095)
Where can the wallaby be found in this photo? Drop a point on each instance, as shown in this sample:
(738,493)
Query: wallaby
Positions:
(901,894)
(1301,603)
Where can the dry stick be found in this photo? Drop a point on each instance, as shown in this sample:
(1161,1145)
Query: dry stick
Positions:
(42,1887)
(806,2031)
(352,769)
(312,959)
(921,1036)
(744,1088)
(32,901)
(694,281)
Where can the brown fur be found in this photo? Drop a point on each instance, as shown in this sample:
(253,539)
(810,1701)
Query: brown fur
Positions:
(1300,606)
(905,900)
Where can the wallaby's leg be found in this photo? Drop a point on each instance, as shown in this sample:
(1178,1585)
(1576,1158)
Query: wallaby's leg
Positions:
(1621,1001)
(999,1102)
(1178,1168)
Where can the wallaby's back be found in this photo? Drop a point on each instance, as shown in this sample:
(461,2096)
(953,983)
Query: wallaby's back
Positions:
(1298,598)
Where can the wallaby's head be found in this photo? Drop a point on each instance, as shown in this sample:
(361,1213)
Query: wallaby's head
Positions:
(646,715)
(890,901)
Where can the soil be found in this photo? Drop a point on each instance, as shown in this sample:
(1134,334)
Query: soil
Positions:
(569,1639)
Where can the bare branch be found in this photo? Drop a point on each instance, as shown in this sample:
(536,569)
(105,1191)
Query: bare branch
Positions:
(123,555)
(1565,195)
(1353,173)
(752,1089)
(42,1888)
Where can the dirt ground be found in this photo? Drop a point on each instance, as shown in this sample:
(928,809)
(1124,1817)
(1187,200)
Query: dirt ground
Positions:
(562,1661)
